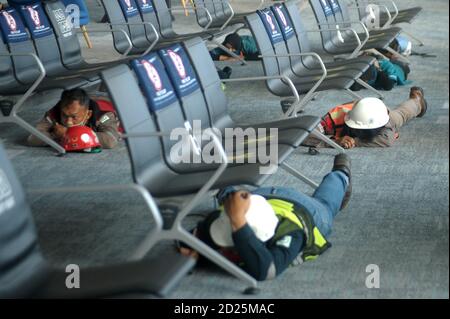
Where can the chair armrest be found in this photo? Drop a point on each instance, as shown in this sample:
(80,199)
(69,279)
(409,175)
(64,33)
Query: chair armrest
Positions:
(265,78)
(355,34)
(231,16)
(312,54)
(36,83)
(366,31)
(385,8)
(394,6)
(130,44)
(152,45)
(297,106)
(208,13)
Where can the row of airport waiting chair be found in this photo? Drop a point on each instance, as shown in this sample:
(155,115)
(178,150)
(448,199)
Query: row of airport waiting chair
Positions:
(150,22)
(148,121)
(39,56)
(36,57)
(145,118)
(40,60)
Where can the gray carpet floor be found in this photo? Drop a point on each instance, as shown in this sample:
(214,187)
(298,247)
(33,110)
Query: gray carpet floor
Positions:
(397,219)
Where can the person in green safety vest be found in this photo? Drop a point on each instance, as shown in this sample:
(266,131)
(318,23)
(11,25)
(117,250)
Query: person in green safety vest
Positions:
(267,230)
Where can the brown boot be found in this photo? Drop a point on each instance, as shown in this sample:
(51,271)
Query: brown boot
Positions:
(417,93)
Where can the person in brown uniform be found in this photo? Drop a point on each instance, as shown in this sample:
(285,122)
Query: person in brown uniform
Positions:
(77,108)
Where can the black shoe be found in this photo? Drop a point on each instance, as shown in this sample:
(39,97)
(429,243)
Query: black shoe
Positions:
(227,70)
(417,93)
(342,163)
(225,73)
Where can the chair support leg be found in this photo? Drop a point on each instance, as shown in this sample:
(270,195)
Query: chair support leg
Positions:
(420,42)
(370,88)
(15,119)
(353,94)
(299,175)
(327,140)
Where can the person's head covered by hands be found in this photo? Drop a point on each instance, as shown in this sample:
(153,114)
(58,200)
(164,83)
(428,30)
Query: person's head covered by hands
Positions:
(243,208)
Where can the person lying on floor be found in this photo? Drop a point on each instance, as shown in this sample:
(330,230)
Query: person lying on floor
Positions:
(77,108)
(388,71)
(242,45)
(385,74)
(269,229)
(368,122)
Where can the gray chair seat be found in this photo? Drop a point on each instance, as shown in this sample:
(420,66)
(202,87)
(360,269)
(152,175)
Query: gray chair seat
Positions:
(348,47)
(69,46)
(361,63)
(48,84)
(305,75)
(375,35)
(26,274)
(383,32)
(149,278)
(301,44)
(305,122)
(167,32)
(404,16)
(183,184)
(240,170)
(291,131)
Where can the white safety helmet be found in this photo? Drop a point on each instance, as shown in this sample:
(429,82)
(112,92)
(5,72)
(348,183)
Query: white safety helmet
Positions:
(260,217)
(368,113)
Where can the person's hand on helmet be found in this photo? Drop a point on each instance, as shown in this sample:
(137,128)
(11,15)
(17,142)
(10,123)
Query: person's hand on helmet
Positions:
(347,142)
(59,131)
(236,206)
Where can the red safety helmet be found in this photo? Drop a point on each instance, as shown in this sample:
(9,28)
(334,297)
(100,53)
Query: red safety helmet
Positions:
(81,138)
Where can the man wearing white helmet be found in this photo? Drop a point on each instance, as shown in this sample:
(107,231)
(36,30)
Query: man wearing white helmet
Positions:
(369,123)
(271,228)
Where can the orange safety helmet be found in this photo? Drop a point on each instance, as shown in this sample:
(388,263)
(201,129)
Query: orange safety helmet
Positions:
(81,138)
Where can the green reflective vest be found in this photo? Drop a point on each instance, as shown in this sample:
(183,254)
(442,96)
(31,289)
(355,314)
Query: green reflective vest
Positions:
(292,218)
